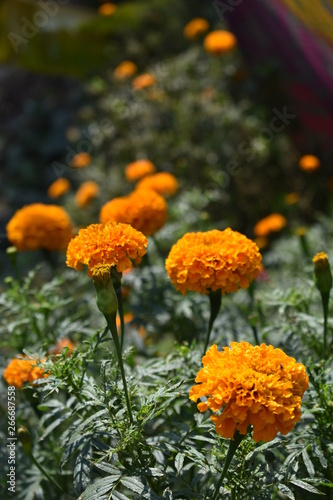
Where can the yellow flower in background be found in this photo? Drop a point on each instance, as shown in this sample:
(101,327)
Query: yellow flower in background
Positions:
(162,183)
(145,210)
(107,9)
(23,370)
(109,244)
(309,163)
(81,160)
(143,81)
(214,260)
(61,344)
(195,28)
(40,226)
(58,188)
(291,198)
(219,42)
(138,169)
(87,192)
(125,70)
(271,224)
(257,386)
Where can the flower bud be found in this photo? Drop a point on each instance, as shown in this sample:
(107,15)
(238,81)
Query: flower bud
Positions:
(107,301)
(25,439)
(322,272)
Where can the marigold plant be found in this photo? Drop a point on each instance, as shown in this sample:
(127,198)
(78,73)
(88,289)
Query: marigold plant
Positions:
(125,70)
(58,188)
(271,224)
(195,28)
(61,344)
(87,192)
(257,386)
(40,226)
(309,163)
(107,9)
(219,42)
(138,169)
(144,209)
(214,260)
(81,160)
(163,183)
(107,244)
(23,370)
(143,81)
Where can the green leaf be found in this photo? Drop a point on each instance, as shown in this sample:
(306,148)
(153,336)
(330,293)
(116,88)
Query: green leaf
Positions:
(99,488)
(308,463)
(179,462)
(82,468)
(133,483)
(306,486)
(286,491)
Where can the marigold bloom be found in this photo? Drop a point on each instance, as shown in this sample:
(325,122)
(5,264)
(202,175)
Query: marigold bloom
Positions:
(61,344)
(40,226)
(145,210)
(87,192)
(309,163)
(138,169)
(195,28)
(58,188)
(214,260)
(291,198)
(22,370)
(162,183)
(271,223)
(125,70)
(143,81)
(107,9)
(219,42)
(128,317)
(107,244)
(253,385)
(81,160)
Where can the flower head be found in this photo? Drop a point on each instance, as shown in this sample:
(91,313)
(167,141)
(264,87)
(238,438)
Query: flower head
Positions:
(143,81)
(40,226)
(125,70)
(195,28)
(23,370)
(143,209)
(257,386)
(219,42)
(107,9)
(109,244)
(61,344)
(138,169)
(86,193)
(58,188)
(271,224)
(214,260)
(81,160)
(162,183)
(309,163)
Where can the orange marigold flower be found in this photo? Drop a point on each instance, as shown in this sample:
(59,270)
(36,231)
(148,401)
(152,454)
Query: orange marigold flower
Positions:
(40,226)
(145,210)
(128,317)
(271,224)
(125,70)
(195,28)
(87,192)
(58,188)
(61,344)
(214,260)
(291,198)
(143,81)
(257,386)
(22,370)
(107,9)
(138,169)
(309,163)
(162,183)
(81,160)
(106,244)
(219,42)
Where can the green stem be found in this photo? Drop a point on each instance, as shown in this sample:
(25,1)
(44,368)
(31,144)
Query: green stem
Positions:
(43,471)
(215,299)
(233,494)
(255,334)
(325,297)
(233,445)
(111,321)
